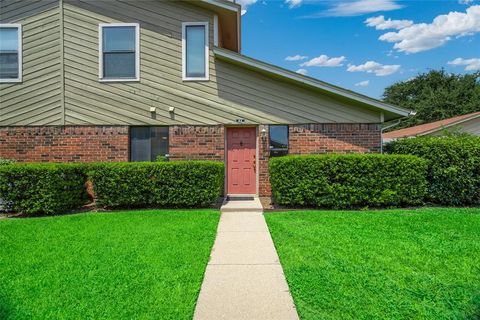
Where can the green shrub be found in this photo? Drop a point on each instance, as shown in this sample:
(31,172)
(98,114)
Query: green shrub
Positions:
(348,181)
(454,170)
(42,188)
(161,158)
(157,184)
(4,162)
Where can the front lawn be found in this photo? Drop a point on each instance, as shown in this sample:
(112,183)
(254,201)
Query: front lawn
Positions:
(391,264)
(122,265)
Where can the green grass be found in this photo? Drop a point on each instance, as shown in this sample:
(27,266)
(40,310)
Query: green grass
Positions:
(392,264)
(122,265)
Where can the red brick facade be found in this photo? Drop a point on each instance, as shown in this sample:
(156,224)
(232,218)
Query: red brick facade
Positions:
(65,144)
(110,143)
(318,139)
(197,142)
(334,138)
(264,189)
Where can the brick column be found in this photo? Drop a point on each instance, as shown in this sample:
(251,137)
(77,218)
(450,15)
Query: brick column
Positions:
(263,157)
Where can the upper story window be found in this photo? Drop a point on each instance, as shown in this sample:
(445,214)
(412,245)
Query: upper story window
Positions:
(195,51)
(10,53)
(278,140)
(119,52)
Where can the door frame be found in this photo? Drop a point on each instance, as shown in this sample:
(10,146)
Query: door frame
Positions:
(257,164)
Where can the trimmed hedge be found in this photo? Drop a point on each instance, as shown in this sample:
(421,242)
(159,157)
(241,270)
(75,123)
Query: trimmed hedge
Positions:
(42,188)
(157,184)
(348,181)
(454,170)
(4,162)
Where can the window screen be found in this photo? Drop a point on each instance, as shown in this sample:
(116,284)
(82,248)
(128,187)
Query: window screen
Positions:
(119,56)
(9,53)
(278,140)
(147,143)
(195,51)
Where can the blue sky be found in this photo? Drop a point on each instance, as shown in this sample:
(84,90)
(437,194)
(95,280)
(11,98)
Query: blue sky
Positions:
(364,56)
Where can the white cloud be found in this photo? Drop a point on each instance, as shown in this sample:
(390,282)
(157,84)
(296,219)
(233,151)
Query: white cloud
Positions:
(245,4)
(467,2)
(381,24)
(360,7)
(422,36)
(378,69)
(363,83)
(293,3)
(324,61)
(296,57)
(302,71)
(470,64)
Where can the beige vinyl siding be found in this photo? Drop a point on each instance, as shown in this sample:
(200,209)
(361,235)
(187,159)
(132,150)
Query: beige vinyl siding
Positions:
(36,100)
(232,92)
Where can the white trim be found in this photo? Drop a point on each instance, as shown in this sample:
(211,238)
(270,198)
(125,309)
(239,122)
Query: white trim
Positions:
(311,82)
(215,30)
(100,52)
(184,52)
(224,4)
(20,52)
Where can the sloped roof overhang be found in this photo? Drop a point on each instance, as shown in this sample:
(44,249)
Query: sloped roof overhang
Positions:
(390,112)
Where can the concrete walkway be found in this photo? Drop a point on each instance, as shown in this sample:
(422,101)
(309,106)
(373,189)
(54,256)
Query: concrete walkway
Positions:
(244,279)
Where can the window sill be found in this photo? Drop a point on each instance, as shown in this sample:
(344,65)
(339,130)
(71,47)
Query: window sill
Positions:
(11,81)
(195,79)
(120,80)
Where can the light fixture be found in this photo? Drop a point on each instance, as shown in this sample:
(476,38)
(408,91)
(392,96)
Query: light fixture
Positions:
(264,133)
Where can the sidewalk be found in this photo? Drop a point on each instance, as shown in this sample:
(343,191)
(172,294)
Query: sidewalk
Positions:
(244,279)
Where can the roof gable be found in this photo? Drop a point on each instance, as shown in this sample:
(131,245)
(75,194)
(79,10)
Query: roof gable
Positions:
(390,112)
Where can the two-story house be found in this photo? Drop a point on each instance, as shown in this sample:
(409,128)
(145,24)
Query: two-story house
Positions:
(130,80)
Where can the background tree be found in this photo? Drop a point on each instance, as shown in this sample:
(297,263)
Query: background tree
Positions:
(435,95)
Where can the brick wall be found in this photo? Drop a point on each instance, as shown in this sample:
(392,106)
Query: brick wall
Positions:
(263,156)
(110,143)
(318,139)
(64,144)
(334,138)
(197,142)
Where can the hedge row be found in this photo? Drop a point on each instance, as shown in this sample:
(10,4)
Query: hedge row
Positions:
(454,169)
(348,181)
(42,188)
(56,188)
(159,184)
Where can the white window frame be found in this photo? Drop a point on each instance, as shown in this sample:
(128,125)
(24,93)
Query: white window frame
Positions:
(20,52)
(100,52)
(184,52)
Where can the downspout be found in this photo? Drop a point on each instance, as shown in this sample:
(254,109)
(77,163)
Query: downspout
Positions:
(411,114)
(385,128)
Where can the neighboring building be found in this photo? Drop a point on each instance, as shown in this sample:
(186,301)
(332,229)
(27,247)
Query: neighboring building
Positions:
(467,123)
(132,80)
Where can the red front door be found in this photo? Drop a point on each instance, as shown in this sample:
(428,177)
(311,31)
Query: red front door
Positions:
(241,164)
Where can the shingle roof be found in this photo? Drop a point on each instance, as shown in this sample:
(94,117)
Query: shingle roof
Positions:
(430,127)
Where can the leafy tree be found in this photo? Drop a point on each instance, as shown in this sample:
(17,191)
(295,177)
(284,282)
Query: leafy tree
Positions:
(435,95)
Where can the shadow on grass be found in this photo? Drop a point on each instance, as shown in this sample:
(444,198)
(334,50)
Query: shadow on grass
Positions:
(5,311)
(475,315)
